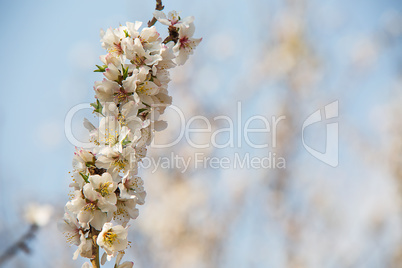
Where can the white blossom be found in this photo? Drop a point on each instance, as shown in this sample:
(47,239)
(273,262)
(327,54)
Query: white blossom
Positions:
(132,187)
(186,43)
(112,72)
(126,211)
(84,248)
(70,228)
(172,19)
(129,101)
(87,211)
(115,161)
(111,41)
(81,159)
(112,239)
(106,90)
(38,214)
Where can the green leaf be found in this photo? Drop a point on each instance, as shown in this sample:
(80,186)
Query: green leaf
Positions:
(97,106)
(127,35)
(101,69)
(146,104)
(141,110)
(125,72)
(85,177)
(125,141)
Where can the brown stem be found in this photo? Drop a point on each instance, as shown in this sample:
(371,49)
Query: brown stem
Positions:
(173,31)
(159,7)
(95,248)
(173,35)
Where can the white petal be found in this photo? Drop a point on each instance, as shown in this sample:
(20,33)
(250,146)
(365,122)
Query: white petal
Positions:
(86,265)
(98,220)
(103,259)
(126,264)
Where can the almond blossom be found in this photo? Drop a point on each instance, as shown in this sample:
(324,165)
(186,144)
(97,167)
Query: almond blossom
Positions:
(87,211)
(130,100)
(172,19)
(132,187)
(112,239)
(186,44)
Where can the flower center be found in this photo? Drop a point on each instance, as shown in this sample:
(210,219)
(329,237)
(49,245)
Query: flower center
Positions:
(184,42)
(89,207)
(122,95)
(144,89)
(122,119)
(116,49)
(109,238)
(138,61)
(120,163)
(103,188)
(111,137)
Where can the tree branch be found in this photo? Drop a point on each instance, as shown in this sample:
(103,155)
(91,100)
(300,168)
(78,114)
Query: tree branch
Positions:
(173,35)
(93,233)
(159,7)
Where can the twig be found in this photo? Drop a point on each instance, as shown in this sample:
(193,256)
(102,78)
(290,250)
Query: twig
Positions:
(173,35)
(173,31)
(95,248)
(159,7)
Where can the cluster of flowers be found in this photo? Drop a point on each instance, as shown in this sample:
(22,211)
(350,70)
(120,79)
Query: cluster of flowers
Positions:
(129,102)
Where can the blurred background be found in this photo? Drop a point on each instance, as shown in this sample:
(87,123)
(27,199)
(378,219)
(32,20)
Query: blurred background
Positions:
(275,58)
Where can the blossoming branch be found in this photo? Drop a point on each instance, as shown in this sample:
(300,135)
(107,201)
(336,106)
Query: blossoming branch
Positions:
(129,102)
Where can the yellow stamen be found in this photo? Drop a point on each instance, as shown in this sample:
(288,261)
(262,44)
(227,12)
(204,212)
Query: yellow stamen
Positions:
(109,238)
(120,164)
(103,188)
(89,207)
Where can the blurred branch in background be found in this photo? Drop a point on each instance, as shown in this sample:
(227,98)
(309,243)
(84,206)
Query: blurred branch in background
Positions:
(21,244)
(290,60)
(38,216)
(394,151)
